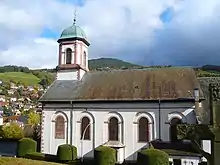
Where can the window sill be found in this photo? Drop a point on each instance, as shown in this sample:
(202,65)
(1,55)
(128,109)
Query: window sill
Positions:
(143,141)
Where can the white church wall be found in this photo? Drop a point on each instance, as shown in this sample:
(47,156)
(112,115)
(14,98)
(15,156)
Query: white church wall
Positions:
(206,146)
(129,112)
(67,75)
(85,147)
(81,73)
(190,115)
(129,134)
(50,143)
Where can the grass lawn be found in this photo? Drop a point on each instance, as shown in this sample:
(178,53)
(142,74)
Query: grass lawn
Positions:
(26,78)
(21,161)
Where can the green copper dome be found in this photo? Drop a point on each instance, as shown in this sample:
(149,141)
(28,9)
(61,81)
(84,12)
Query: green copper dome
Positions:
(72,32)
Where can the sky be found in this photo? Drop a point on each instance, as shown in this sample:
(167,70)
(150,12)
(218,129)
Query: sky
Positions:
(146,32)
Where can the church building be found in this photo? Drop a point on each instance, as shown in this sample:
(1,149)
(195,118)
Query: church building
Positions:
(123,109)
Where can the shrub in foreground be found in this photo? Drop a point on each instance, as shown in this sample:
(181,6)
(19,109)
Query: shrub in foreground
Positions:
(25,146)
(66,152)
(152,157)
(105,156)
(35,156)
(12,131)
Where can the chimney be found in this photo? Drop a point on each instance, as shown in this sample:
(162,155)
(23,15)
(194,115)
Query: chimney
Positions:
(196,97)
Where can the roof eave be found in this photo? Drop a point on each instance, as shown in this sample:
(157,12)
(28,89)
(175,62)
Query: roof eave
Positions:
(74,38)
(120,100)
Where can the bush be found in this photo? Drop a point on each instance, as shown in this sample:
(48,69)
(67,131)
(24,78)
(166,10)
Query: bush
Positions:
(12,131)
(25,146)
(66,152)
(152,157)
(35,156)
(105,156)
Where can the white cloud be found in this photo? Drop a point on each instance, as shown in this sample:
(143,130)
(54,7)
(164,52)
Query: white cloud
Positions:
(36,53)
(123,29)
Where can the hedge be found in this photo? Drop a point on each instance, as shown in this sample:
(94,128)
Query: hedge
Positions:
(35,156)
(105,156)
(66,152)
(152,157)
(25,146)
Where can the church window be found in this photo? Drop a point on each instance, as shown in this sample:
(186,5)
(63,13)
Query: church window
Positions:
(84,58)
(68,56)
(143,130)
(59,128)
(113,129)
(85,128)
(173,128)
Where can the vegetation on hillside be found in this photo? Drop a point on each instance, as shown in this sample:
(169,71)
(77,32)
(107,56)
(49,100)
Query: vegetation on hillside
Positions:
(45,77)
(26,76)
(105,63)
(19,77)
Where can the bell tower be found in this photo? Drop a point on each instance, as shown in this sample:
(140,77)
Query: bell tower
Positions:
(73,53)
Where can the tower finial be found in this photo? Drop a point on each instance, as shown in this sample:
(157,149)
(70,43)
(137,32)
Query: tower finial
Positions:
(74,20)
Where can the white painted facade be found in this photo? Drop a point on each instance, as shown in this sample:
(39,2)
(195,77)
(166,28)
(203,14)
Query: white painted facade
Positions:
(78,48)
(79,57)
(99,114)
(67,74)
(206,145)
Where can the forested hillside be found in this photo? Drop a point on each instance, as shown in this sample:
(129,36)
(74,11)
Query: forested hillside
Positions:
(21,74)
(106,63)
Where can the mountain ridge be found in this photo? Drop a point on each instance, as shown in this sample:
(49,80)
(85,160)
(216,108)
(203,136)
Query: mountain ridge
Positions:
(46,76)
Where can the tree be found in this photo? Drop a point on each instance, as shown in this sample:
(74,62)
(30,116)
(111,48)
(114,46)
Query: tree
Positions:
(7,111)
(12,131)
(20,91)
(33,119)
(44,82)
(195,133)
(206,132)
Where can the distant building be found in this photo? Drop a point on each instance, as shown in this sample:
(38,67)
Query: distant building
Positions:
(2,98)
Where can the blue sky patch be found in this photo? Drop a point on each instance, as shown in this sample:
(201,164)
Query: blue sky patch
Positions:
(48,33)
(75,2)
(167,15)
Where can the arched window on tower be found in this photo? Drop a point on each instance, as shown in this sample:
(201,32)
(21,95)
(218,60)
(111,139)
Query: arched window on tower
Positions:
(143,130)
(173,128)
(113,129)
(60,127)
(84,125)
(68,56)
(84,58)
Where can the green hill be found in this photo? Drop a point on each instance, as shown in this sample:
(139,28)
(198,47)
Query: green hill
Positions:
(104,63)
(46,76)
(25,78)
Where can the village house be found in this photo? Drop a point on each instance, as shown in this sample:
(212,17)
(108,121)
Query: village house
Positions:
(30,88)
(2,98)
(13,86)
(11,91)
(13,99)
(123,109)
